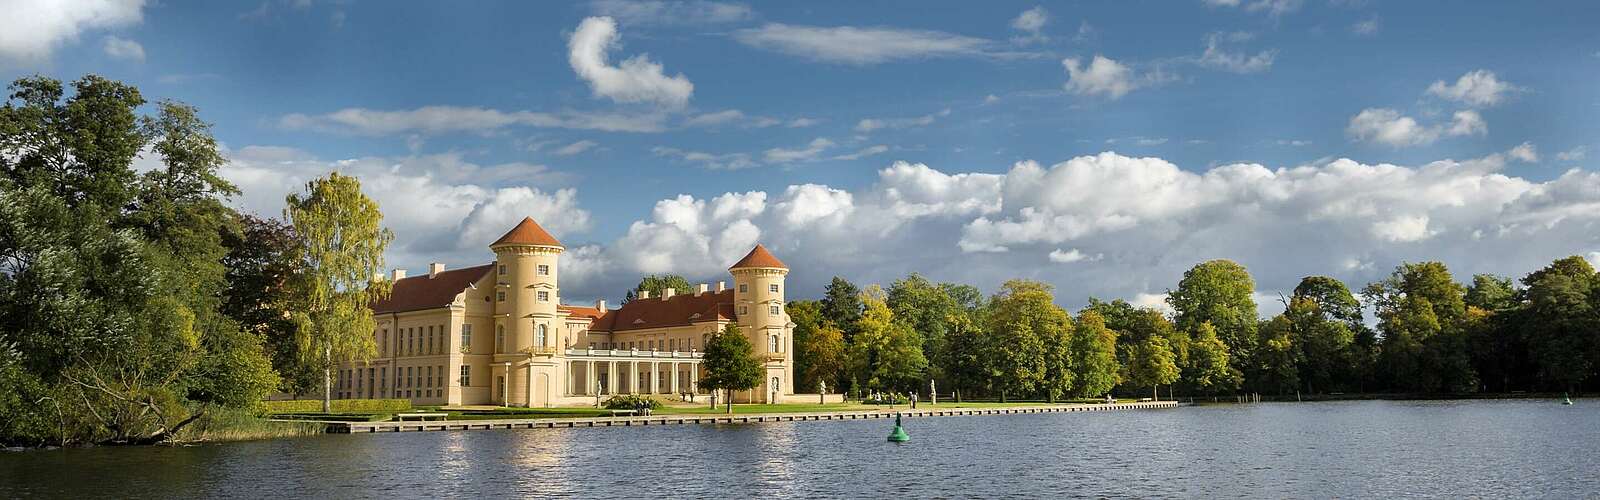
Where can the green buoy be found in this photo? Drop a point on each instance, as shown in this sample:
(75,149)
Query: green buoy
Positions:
(899,433)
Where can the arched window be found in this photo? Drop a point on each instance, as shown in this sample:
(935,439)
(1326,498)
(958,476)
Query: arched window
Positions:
(539,336)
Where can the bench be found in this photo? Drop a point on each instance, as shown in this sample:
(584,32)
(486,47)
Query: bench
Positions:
(424,416)
(624,412)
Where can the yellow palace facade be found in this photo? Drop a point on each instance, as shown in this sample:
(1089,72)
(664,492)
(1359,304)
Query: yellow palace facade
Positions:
(498,334)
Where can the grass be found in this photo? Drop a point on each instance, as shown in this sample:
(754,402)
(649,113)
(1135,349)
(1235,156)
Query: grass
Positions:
(241,425)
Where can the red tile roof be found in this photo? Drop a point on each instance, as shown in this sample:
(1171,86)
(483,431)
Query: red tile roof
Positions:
(527,232)
(421,292)
(759,257)
(680,310)
(580,311)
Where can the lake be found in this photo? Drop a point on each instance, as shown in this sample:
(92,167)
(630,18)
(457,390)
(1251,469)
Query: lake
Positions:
(1446,449)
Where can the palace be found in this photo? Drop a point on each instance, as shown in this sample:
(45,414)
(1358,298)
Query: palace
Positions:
(498,334)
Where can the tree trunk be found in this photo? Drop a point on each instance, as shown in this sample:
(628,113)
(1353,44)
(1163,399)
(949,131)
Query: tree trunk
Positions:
(1002,396)
(730,401)
(958,395)
(327,380)
(1156,389)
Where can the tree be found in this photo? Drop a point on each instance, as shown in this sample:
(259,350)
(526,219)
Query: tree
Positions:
(1027,345)
(1094,352)
(110,279)
(260,267)
(841,305)
(1275,359)
(730,363)
(886,353)
(657,284)
(933,310)
(826,357)
(1491,293)
(1320,343)
(1152,365)
(1208,369)
(341,247)
(1562,320)
(1220,292)
(1333,300)
(1422,314)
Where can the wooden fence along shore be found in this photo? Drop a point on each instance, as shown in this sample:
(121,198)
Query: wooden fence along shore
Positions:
(541,423)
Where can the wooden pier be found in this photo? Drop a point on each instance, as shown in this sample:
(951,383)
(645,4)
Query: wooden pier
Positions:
(557,422)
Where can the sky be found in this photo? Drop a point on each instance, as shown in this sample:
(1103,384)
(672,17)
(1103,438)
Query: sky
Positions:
(1102,147)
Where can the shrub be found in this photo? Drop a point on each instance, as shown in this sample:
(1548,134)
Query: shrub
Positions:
(631,402)
(339,405)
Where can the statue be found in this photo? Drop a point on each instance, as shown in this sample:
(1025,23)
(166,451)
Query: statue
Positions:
(822,391)
(933,391)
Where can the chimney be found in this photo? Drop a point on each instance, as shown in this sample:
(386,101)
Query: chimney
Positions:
(722,285)
(667,293)
(644,294)
(397,274)
(600,305)
(701,288)
(434,269)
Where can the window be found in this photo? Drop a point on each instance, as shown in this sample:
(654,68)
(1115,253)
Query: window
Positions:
(501,270)
(430,377)
(499,296)
(427,347)
(542,270)
(383,342)
(773,288)
(466,336)
(500,338)
(442,383)
(774,309)
(466,375)
(411,376)
(744,288)
(744,310)
(539,336)
(772,343)
(544,296)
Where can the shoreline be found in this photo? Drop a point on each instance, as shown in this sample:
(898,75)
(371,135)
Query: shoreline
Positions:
(721,418)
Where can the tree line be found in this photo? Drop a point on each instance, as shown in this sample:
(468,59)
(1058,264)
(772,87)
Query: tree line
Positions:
(135,303)
(1430,335)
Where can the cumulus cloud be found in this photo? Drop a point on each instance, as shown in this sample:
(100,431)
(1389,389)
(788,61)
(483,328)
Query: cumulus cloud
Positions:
(122,48)
(1105,77)
(31,30)
(671,12)
(861,45)
(446,119)
(1479,88)
(635,80)
(1072,255)
(1525,152)
(1389,127)
(1030,22)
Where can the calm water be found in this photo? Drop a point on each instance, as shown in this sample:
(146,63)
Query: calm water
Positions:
(1498,449)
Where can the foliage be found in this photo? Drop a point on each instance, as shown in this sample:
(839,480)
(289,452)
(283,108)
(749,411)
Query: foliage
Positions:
(630,402)
(841,305)
(1094,352)
(657,284)
(826,358)
(1208,370)
(886,352)
(1152,364)
(260,267)
(341,247)
(1220,292)
(730,362)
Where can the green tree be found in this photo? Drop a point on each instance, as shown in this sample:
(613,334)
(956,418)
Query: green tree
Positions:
(1222,293)
(827,358)
(1152,365)
(730,363)
(1321,344)
(1422,314)
(1094,352)
(1027,347)
(657,284)
(1208,369)
(1491,293)
(886,353)
(341,246)
(841,305)
(260,268)
(931,310)
(1562,321)
(1276,368)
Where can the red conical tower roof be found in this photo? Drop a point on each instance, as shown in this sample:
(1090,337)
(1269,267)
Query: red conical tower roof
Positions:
(527,232)
(759,257)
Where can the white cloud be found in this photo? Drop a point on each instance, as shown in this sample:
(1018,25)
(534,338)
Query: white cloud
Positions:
(1403,228)
(714,161)
(1106,77)
(1073,255)
(634,80)
(871,124)
(446,119)
(1238,62)
(31,30)
(863,153)
(1574,154)
(1294,142)
(1525,152)
(1593,258)
(575,148)
(1479,88)
(860,45)
(802,122)
(122,48)
(807,153)
(716,118)
(1030,22)
(672,12)
(1273,8)
(1389,127)
(1367,27)
(991,99)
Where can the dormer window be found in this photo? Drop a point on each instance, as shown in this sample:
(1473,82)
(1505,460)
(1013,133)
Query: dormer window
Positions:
(542,270)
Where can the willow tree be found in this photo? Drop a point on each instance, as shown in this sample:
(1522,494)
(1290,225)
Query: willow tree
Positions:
(341,247)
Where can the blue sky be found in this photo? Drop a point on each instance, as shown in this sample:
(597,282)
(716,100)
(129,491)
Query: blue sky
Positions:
(1102,146)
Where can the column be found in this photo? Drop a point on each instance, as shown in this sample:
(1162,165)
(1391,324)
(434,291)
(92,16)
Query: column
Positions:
(675,378)
(611,377)
(633,377)
(694,377)
(594,379)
